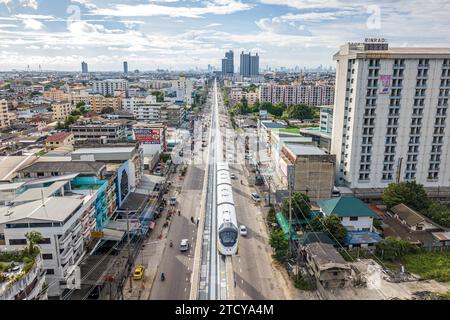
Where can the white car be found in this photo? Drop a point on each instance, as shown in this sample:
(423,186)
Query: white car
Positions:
(232,176)
(243,230)
(256,197)
(184,245)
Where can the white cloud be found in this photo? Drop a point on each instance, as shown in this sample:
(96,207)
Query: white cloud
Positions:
(34,16)
(280,26)
(211,25)
(218,7)
(32,24)
(12,4)
(317,16)
(7,25)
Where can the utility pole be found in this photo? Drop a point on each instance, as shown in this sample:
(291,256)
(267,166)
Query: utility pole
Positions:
(129,247)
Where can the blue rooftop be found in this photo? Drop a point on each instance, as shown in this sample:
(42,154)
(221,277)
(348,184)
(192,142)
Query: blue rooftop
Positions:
(361,237)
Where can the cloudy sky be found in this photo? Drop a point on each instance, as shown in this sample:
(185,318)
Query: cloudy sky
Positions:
(182,34)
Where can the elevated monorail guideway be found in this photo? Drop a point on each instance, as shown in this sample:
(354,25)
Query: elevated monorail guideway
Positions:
(220,233)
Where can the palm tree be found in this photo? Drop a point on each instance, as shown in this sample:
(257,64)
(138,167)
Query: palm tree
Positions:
(33,238)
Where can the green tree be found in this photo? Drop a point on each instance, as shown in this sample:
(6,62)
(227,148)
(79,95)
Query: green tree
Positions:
(392,249)
(33,238)
(299,112)
(244,103)
(440,213)
(409,193)
(300,205)
(330,225)
(106,110)
(271,215)
(80,104)
(75,112)
(279,243)
(70,120)
(255,107)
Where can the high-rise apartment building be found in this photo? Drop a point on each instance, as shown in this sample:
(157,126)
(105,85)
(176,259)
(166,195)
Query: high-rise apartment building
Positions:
(84,68)
(249,65)
(4,116)
(143,108)
(310,95)
(254,65)
(108,87)
(99,103)
(125,67)
(228,64)
(390,116)
(61,110)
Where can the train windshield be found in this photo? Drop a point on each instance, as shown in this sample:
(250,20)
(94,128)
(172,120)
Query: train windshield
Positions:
(228,237)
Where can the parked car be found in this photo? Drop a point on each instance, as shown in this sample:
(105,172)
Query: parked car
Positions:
(243,230)
(256,197)
(232,176)
(138,272)
(184,245)
(173,201)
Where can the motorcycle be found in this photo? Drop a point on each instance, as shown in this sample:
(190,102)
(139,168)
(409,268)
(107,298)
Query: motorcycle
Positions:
(171,243)
(163,277)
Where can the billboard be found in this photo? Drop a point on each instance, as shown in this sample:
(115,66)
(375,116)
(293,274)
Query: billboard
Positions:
(147,136)
(385,80)
(263,113)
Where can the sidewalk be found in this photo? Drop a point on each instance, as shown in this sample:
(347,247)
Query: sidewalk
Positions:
(151,253)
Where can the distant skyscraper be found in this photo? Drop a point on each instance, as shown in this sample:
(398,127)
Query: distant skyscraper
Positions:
(249,66)
(125,67)
(228,64)
(84,67)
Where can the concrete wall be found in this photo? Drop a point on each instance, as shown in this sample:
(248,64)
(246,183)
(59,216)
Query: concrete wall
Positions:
(314,175)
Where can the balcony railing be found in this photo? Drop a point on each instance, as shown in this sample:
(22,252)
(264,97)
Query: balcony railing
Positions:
(66,255)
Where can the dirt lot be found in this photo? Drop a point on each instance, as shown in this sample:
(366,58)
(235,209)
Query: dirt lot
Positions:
(379,288)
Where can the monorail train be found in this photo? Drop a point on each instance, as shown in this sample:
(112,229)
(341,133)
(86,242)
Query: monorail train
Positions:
(227,228)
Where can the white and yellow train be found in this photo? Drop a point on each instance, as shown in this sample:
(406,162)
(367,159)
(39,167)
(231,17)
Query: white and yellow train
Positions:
(228,232)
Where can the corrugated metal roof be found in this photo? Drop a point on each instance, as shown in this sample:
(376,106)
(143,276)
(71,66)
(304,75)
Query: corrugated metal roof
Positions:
(345,207)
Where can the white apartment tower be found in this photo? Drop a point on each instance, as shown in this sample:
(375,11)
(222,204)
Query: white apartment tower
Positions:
(108,87)
(390,116)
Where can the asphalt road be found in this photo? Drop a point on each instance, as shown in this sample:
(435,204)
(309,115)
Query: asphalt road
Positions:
(254,277)
(176,265)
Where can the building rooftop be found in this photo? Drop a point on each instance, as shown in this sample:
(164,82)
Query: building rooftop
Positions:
(51,209)
(33,194)
(60,136)
(82,167)
(326,256)
(304,150)
(407,214)
(362,237)
(442,236)
(316,131)
(345,207)
(273,125)
(103,150)
(9,165)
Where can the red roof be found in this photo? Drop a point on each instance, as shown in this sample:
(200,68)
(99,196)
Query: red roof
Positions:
(60,136)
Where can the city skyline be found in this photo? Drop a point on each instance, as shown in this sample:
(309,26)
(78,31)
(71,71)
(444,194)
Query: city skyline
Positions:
(154,34)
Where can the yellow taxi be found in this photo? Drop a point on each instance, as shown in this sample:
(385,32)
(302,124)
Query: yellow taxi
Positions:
(138,272)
